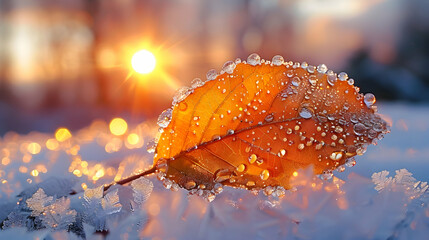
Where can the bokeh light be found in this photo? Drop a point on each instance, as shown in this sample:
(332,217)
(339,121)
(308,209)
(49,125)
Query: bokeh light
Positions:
(62,134)
(118,126)
(143,62)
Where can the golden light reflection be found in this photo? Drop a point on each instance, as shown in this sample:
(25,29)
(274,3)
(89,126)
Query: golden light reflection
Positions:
(133,139)
(295,174)
(118,126)
(62,134)
(5,161)
(23,169)
(143,62)
(52,144)
(34,173)
(84,186)
(34,148)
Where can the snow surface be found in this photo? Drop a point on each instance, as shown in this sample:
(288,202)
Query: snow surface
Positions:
(376,199)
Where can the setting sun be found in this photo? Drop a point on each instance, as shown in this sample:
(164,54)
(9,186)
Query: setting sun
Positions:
(143,62)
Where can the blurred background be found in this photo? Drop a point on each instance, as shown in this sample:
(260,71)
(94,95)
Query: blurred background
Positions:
(68,62)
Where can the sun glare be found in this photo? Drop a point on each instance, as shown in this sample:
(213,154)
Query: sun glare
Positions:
(143,62)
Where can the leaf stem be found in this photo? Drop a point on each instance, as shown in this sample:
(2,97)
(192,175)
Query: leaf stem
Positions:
(131,178)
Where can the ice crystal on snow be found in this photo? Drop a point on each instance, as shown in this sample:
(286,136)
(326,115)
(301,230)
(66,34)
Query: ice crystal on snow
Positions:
(404,179)
(381,180)
(38,202)
(142,188)
(98,208)
(58,215)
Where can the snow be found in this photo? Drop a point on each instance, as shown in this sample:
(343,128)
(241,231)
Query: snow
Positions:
(383,197)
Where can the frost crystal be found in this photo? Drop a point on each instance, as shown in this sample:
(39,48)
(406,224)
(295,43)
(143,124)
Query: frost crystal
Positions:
(142,188)
(404,179)
(99,208)
(15,219)
(58,215)
(381,180)
(38,202)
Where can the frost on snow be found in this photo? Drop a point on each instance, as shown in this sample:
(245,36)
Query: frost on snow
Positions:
(99,208)
(142,188)
(38,202)
(403,179)
(58,215)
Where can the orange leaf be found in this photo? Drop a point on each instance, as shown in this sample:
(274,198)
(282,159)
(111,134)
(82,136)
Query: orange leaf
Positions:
(258,122)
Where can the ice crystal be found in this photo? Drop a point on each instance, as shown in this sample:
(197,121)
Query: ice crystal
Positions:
(99,208)
(38,202)
(403,179)
(142,188)
(381,180)
(58,215)
(59,187)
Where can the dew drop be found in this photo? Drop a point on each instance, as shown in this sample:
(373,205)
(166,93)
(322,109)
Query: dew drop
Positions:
(351,81)
(162,165)
(326,175)
(254,59)
(359,129)
(265,174)
(211,75)
(336,156)
(241,168)
(369,99)
(305,112)
(312,79)
(210,197)
(167,183)
(378,127)
(350,162)
(304,65)
(250,183)
(296,81)
(252,158)
(322,68)
(268,190)
(269,118)
(311,68)
(190,185)
(165,118)
(281,153)
(341,168)
(343,76)
(229,67)
(361,151)
(332,78)
(181,94)
(222,175)
(372,133)
(151,146)
(197,82)
(277,60)
(218,188)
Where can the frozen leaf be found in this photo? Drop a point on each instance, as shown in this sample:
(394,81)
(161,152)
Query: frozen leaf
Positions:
(58,215)
(38,202)
(256,124)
